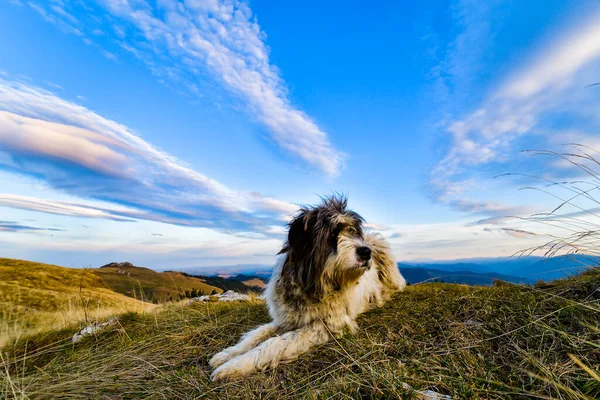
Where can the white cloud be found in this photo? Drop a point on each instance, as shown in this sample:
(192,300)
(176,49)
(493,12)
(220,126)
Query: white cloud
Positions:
(491,208)
(59,17)
(68,208)
(81,153)
(222,37)
(557,66)
(44,139)
(522,110)
(461,239)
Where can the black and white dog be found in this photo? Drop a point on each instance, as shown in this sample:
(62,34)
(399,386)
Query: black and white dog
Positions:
(330,272)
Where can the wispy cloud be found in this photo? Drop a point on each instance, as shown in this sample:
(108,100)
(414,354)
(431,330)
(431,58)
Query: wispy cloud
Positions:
(491,221)
(54,85)
(68,209)
(395,235)
(518,233)
(13,226)
(83,154)
(523,110)
(453,240)
(59,17)
(493,209)
(176,40)
(459,65)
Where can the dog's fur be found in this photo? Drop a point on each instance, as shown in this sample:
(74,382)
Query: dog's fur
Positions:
(323,281)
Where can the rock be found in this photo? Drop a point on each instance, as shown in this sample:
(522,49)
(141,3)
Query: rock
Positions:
(93,328)
(431,395)
(426,394)
(229,295)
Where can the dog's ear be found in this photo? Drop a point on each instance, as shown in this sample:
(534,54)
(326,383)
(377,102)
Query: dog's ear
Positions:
(302,265)
(299,237)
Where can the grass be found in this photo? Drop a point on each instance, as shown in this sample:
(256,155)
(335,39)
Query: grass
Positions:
(500,342)
(575,220)
(36,298)
(150,285)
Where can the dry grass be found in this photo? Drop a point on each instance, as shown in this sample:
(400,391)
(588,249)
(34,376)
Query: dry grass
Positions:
(36,297)
(575,220)
(500,342)
(138,282)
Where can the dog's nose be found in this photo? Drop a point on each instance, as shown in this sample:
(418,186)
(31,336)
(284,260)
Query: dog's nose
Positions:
(364,252)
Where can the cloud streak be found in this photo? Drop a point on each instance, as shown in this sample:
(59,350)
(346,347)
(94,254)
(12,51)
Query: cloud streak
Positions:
(495,210)
(523,110)
(69,209)
(13,226)
(177,40)
(517,107)
(83,154)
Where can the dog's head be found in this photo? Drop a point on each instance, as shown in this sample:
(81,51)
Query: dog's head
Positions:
(325,248)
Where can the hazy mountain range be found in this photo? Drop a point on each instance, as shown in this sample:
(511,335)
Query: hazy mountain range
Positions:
(469,271)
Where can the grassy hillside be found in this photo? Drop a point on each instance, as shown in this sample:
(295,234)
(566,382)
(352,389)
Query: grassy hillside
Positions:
(255,283)
(250,280)
(139,282)
(229,284)
(35,297)
(498,342)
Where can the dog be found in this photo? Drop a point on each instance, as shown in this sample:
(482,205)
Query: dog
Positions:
(329,272)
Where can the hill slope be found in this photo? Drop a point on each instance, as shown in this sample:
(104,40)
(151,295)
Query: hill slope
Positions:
(496,342)
(36,296)
(243,286)
(144,283)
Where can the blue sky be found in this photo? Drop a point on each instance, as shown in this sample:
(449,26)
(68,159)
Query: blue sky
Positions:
(184,133)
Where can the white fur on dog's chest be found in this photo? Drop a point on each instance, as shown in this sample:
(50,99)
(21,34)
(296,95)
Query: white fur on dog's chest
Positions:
(336,311)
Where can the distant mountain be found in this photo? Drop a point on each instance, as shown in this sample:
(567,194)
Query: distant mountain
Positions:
(227,271)
(418,274)
(472,271)
(532,268)
(501,265)
(459,266)
(547,269)
(505,265)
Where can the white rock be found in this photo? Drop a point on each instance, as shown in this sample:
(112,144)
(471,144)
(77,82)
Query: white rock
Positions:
(229,295)
(427,394)
(93,328)
(431,395)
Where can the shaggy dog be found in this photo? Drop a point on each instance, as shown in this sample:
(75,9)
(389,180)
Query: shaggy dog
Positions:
(330,272)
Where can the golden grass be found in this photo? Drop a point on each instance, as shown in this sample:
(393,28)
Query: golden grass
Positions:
(36,297)
(151,285)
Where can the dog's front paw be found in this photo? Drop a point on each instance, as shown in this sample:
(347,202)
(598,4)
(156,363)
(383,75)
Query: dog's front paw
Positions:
(219,359)
(228,372)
